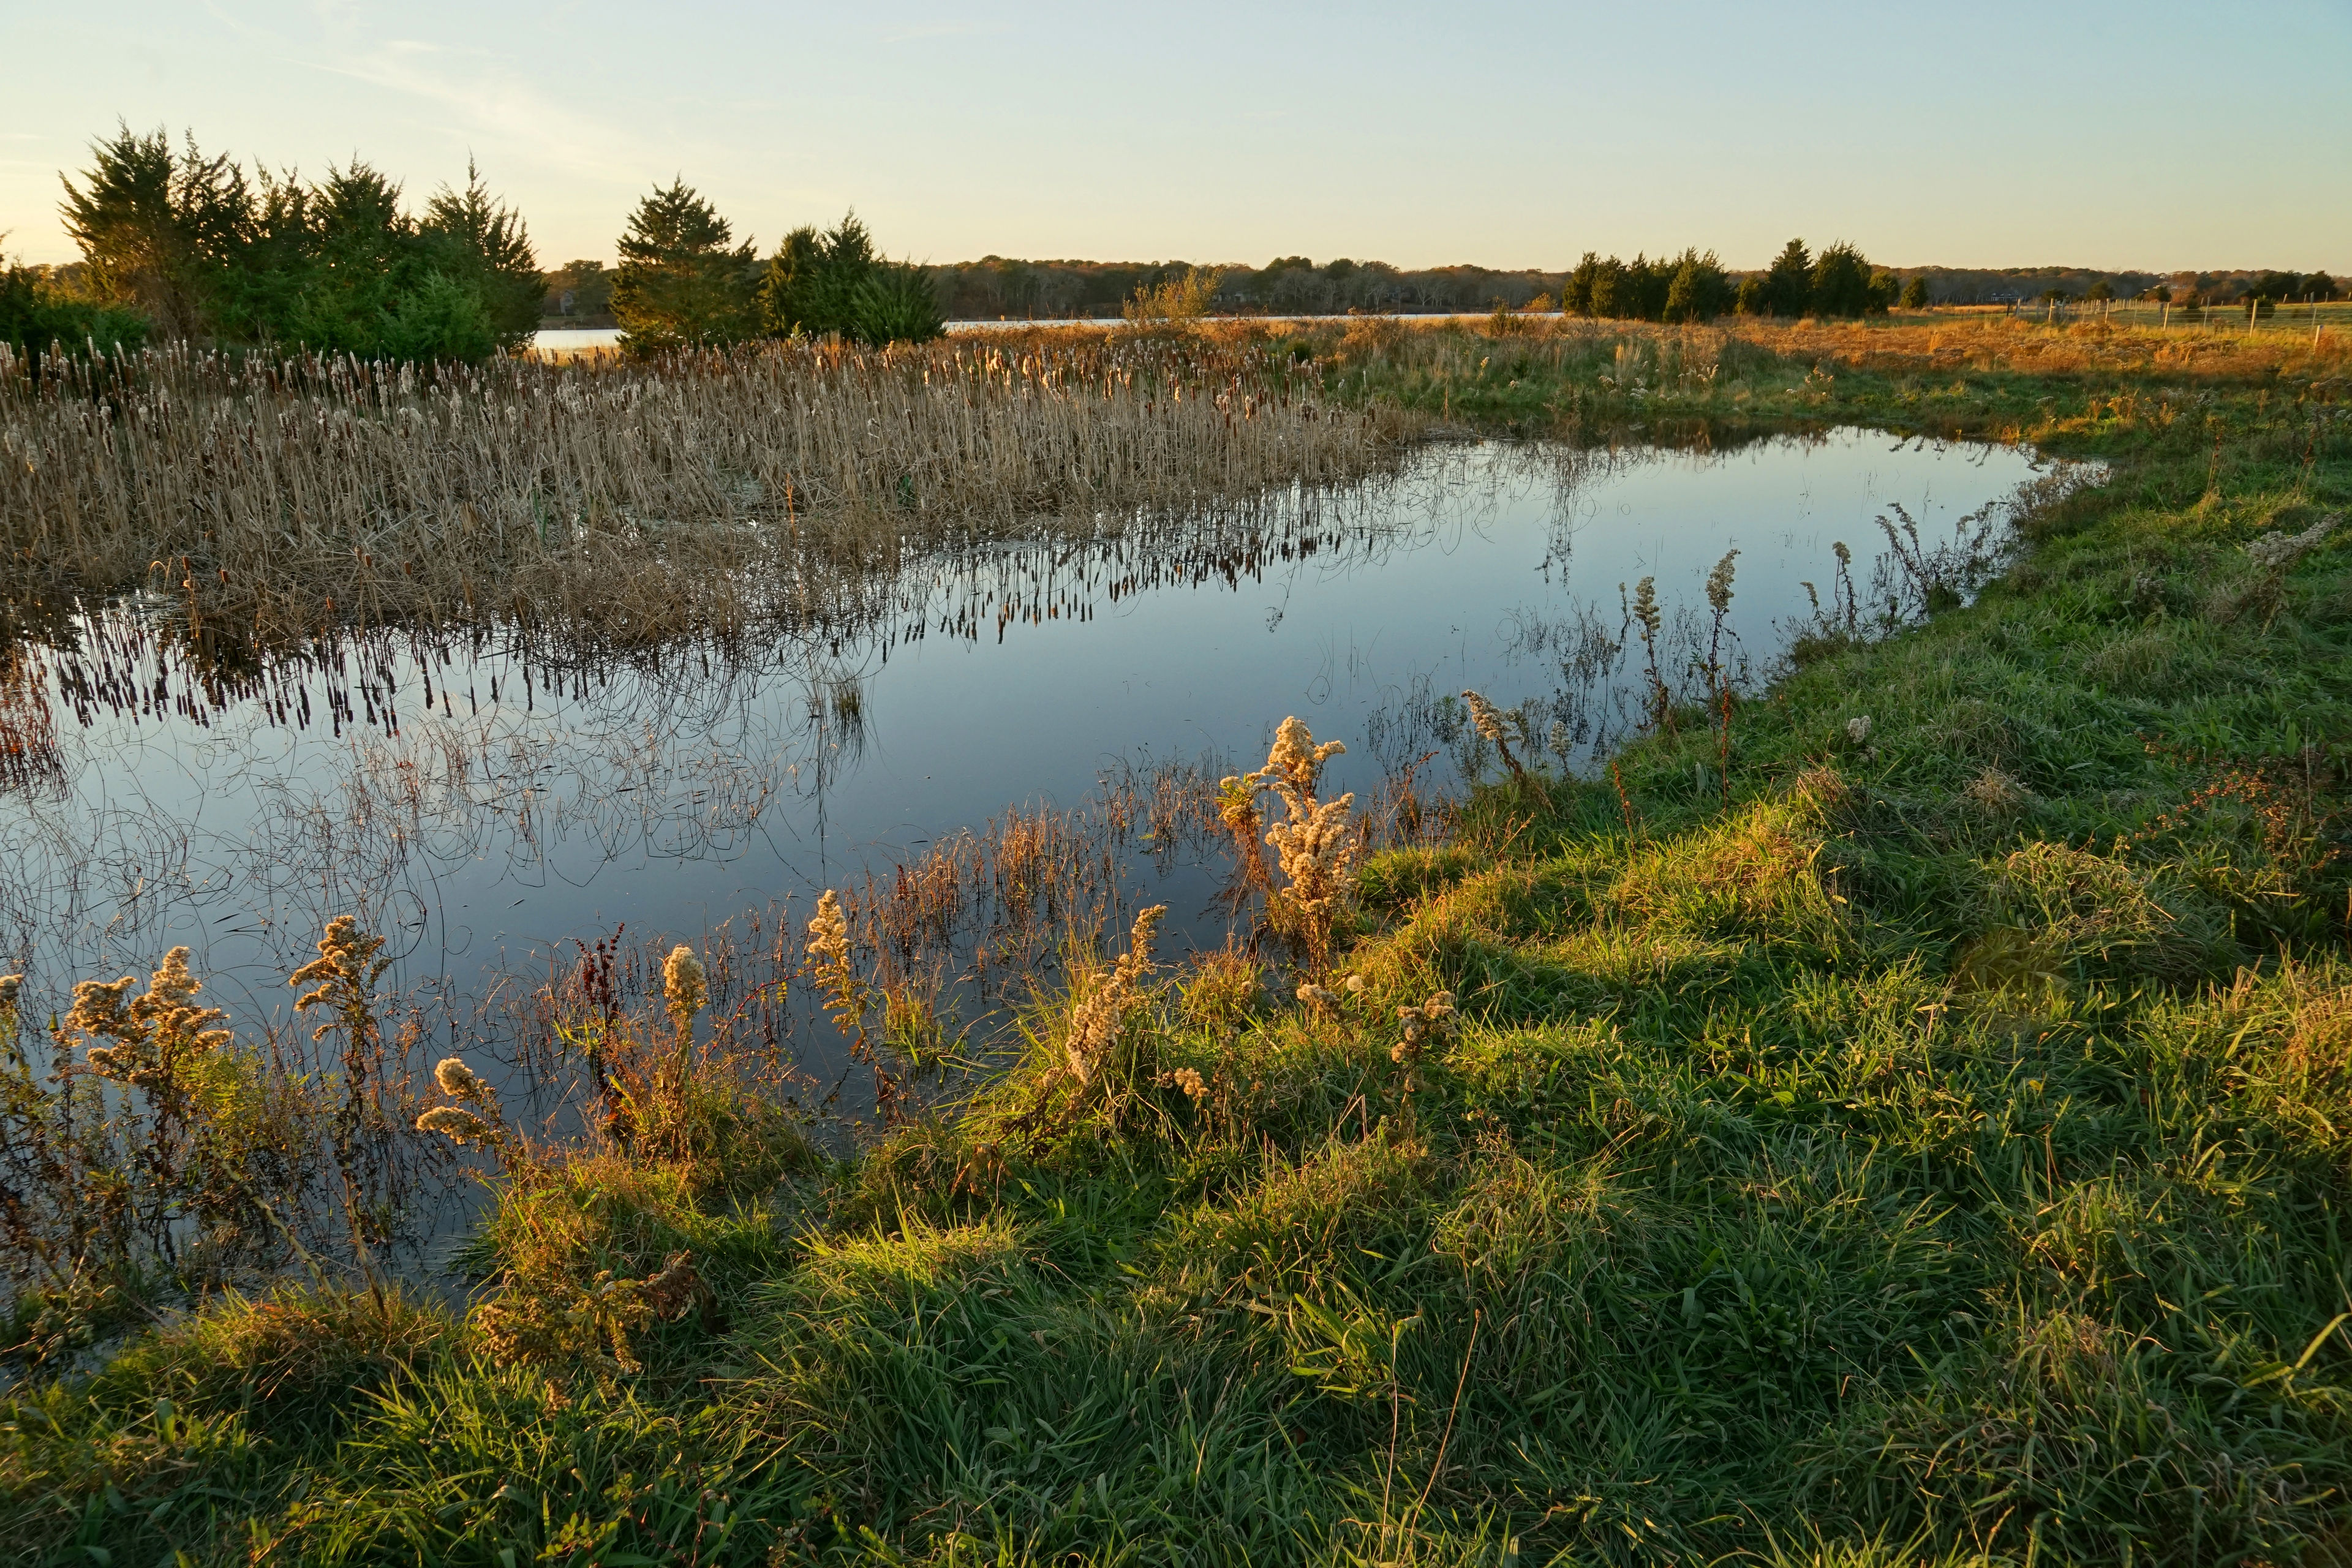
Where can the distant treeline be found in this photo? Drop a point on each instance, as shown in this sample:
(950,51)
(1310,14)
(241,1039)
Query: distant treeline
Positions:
(2020,285)
(181,244)
(998,286)
(1694,286)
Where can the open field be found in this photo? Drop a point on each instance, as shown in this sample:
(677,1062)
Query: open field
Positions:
(1898,1116)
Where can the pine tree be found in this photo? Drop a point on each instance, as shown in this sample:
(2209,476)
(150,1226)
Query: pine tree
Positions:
(1700,290)
(681,279)
(1842,283)
(159,229)
(1789,282)
(479,239)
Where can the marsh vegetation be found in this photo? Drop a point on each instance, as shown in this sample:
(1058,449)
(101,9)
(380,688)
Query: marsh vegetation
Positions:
(1887,1109)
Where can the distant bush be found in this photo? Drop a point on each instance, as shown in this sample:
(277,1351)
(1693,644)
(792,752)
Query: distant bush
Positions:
(1787,283)
(1914,294)
(896,303)
(1700,289)
(2278,287)
(35,314)
(1842,284)
(1645,291)
(1185,297)
(835,283)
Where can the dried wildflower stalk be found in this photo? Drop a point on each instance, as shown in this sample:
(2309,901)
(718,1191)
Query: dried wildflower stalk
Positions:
(1718,602)
(1495,727)
(1432,1021)
(684,991)
(847,998)
(546,1326)
(157,1037)
(1315,845)
(2277,553)
(1650,618)
(342,979)
(476,1118)
(1100,1019)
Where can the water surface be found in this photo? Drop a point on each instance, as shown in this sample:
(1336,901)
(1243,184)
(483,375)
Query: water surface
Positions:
(486,809)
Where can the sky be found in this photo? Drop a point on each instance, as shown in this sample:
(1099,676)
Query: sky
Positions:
(2150,135)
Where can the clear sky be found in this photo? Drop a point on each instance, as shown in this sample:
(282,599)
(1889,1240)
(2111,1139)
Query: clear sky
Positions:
(1997,132)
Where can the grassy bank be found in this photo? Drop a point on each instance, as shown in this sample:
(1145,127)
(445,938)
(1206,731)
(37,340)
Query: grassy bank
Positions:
(1900,1116)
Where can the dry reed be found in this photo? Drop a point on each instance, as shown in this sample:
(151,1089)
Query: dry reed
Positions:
(701,492)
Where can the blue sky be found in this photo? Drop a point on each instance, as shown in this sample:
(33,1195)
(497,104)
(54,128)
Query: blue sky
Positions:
(2152,135)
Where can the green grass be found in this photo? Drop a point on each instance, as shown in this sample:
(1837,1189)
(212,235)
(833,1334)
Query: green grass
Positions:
(1937,1155)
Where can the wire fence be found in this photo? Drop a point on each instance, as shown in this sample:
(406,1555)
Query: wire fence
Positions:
(2309,318)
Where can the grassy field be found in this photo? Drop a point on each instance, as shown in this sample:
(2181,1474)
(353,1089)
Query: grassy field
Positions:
(1899,1116)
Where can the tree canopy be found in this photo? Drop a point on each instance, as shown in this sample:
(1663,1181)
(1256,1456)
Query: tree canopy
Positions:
(202,250)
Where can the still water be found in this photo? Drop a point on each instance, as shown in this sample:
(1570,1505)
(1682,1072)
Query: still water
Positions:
(486,809)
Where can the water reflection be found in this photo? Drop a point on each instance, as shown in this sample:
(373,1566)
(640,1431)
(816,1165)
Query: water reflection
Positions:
(492,801)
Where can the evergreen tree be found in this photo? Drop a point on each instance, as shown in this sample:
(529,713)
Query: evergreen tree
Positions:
(201,250)
(1789,282)
(1842,283)
(811,285)
(1915,293)
(474,238)
(895,303)
(1699,291)
(837,284)
(159,229)
(35,314)
(1643,294)
(1609,296)
(681,281)
(1576,294)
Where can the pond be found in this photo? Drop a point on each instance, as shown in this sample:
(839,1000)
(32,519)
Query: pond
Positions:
(494,810)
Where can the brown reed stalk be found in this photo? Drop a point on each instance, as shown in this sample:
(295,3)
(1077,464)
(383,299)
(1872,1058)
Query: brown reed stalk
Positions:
(706,490)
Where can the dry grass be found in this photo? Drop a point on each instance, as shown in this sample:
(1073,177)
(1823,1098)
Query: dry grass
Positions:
(629,501)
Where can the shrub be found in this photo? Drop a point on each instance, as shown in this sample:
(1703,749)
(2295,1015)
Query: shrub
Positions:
(36,314)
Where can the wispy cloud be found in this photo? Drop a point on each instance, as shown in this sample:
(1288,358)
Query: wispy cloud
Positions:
(486,98)
(942,30)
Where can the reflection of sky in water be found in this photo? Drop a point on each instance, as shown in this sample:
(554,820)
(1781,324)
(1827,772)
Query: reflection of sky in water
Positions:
(676,798)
